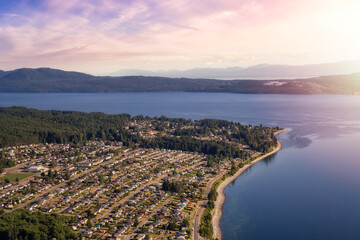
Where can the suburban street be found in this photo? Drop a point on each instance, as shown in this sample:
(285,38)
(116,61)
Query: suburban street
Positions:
(199,212)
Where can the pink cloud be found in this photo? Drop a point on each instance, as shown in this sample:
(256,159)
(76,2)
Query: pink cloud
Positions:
(152,32)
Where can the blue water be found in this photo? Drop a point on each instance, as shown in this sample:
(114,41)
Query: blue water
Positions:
(308,190)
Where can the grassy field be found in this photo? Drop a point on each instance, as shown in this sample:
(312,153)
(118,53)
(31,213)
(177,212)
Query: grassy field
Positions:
(13,176)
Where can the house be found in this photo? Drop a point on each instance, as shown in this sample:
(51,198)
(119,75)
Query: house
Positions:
(140,236)
(37,169)
(84,164)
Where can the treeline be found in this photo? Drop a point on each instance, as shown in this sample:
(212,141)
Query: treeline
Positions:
(187,143)
(20,224)
(19,125)
(258,138)
(206,228)
(5,162)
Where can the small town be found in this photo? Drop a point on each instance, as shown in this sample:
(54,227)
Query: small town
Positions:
(154,184)
(179,120)
(113,192)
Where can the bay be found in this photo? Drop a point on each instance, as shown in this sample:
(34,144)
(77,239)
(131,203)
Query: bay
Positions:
(308,190)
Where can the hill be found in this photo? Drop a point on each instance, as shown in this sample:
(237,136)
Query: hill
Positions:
(53,80)
(261,71)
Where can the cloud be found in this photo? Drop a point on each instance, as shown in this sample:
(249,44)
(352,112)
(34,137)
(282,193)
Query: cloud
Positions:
(170,34)
(5,43)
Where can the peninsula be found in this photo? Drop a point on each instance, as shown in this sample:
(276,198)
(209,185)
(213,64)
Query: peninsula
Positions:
(116,176)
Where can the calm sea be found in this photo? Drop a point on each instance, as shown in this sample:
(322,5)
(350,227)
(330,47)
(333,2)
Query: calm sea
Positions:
(308,190)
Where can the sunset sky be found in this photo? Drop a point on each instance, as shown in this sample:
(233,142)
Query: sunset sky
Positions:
(104,36)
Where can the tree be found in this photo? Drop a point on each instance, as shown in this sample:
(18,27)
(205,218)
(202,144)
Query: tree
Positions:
(21,224)
(233,169)
(89,214)
(55,174)
(67,175)
(50,175)
(185,222)
(199,173)
(89,224)
(101,179)
(172,226)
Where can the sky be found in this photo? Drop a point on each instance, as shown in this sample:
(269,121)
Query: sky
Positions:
(104,36)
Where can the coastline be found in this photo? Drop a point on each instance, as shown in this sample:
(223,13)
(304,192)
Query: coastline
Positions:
(220,200)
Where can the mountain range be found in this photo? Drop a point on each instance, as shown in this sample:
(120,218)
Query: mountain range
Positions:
(262,71)
(54,80)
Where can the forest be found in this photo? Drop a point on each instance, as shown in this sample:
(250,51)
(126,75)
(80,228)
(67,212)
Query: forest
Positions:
(22,225)
(19,125)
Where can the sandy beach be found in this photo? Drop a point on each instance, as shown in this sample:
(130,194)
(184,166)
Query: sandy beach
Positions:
(220,200)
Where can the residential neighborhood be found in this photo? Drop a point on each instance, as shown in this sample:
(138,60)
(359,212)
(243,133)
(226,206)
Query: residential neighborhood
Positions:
(147,179)
(112,192)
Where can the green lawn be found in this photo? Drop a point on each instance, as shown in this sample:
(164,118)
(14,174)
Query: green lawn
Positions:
(13,176)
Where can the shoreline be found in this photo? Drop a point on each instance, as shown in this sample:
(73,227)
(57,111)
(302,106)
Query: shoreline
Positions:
(220,200)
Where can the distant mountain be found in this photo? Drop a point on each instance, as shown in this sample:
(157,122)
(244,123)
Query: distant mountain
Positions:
(262,71)
(212,73)
(53,80)
(42,80)
(42,74)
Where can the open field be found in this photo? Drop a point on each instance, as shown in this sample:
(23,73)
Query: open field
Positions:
(14,176)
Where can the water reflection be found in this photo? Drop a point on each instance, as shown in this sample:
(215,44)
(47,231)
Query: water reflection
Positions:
(294,139)
(269,159)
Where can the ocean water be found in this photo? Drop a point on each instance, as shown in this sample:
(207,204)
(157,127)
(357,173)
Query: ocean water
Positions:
(308,190)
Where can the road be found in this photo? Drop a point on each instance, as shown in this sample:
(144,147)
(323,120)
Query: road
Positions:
(157,180)
(128,237)
(39,195)
(199,212)
(197,220)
